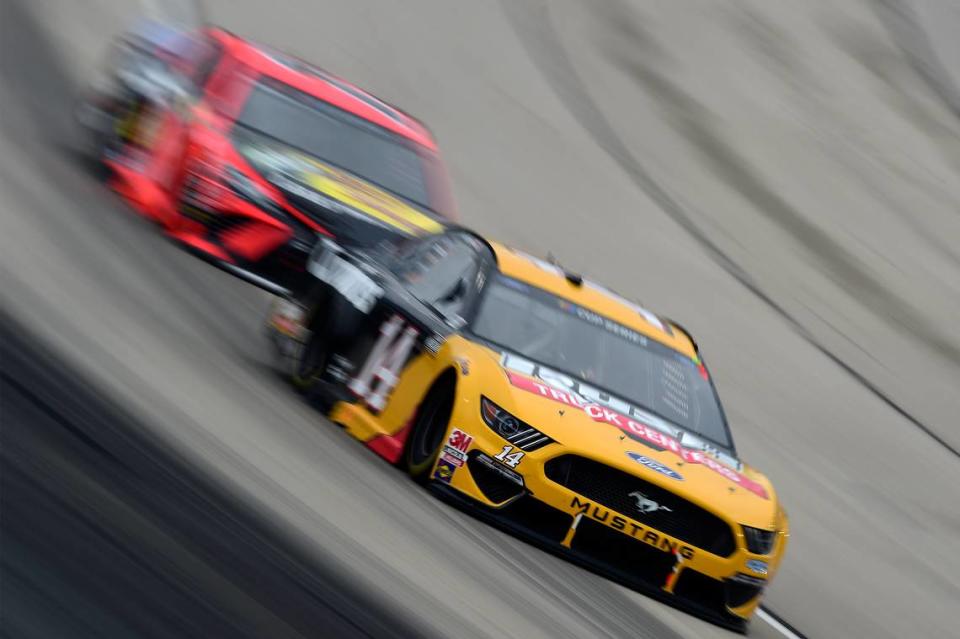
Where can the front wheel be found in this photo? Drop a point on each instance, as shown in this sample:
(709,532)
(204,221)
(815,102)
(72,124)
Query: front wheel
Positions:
(429,428)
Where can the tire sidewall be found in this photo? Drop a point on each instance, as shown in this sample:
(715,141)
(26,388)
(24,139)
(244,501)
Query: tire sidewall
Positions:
(430,429)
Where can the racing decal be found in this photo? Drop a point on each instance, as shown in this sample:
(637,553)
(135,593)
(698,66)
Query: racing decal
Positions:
(459,440)
(381,371)
(374,202)
(624,525)
(336,189)
(654,465)
(554,269)
(509,457)
(444,471)
(502,470)
(454,456)
(455,450)
(639,426)
(354,285)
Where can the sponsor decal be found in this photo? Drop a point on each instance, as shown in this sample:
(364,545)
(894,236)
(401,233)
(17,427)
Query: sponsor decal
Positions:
(639,426)
(627,527)
(653,464)
(363,196)
(757,566)
(651,318)
(454,456)
(444,471)
(339,190)
(500,468)
(459,440)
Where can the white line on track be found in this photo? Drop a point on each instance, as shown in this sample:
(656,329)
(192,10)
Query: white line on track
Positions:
(776,625)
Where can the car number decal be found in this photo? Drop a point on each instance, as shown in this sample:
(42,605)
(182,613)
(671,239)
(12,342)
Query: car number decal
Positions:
(509,457)
(381,371)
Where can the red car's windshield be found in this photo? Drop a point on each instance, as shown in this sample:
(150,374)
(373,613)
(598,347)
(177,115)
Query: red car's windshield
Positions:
(349,142)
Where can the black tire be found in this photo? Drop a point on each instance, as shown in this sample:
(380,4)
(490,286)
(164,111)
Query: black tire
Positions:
(429,430)
(313,356)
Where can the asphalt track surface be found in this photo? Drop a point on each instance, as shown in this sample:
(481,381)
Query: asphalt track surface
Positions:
(107,533)
(780,178)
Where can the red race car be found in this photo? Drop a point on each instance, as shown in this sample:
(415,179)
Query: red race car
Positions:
(247,155)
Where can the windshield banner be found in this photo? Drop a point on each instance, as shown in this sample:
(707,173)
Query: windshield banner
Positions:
(560,388)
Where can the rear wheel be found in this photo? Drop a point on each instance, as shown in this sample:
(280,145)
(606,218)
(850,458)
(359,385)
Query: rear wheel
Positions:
(429,429)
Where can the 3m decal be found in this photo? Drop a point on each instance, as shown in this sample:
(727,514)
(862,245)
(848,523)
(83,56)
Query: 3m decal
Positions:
(588,400)
(459,440)
(653,464)
(509,457)
(381,371)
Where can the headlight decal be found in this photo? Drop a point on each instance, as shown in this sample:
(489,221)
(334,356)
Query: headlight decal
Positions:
(518,433)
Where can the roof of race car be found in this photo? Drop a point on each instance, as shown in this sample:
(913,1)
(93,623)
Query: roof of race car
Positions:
(595,297)
(325,86)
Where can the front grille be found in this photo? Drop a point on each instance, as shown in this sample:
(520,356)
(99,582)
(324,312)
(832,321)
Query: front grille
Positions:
(221,225)
(493,479)
(612,488)
(622,553)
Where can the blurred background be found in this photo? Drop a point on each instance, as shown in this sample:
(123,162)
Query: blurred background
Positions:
(780,177)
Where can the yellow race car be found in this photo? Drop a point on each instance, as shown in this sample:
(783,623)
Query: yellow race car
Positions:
(546,403)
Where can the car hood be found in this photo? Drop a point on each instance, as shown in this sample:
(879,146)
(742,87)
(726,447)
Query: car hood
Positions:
(352,209)
(644,446)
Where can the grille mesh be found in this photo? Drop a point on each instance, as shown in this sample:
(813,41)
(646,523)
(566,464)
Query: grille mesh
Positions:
(612,488)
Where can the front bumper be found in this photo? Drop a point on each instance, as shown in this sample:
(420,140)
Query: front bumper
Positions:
(538,523)
(722,589)
(265,248)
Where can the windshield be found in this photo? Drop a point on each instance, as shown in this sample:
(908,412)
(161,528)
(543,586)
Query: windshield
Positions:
(618,360)
(340,138)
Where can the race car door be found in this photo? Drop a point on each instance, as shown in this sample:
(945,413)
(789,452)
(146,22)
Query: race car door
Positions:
(443,275)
